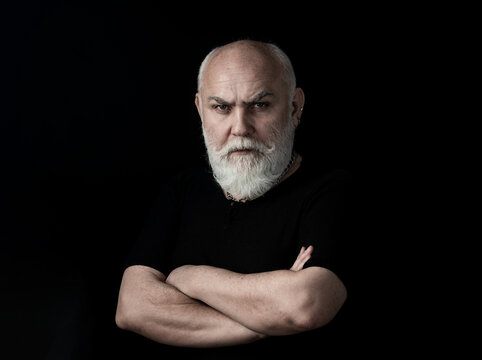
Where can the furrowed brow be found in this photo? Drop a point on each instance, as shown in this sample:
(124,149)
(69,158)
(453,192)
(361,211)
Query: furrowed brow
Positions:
(259,97)
(218,100)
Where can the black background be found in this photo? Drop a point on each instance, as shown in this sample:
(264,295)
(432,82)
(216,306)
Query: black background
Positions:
(98,108)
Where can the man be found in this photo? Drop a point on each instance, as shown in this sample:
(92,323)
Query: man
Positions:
(245,252)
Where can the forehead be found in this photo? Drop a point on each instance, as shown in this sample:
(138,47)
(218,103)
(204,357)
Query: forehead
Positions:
(242,72)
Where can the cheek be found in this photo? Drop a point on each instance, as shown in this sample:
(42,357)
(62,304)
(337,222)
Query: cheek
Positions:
(215,135)
(269,129)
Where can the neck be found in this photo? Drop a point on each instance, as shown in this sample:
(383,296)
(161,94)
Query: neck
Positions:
(292,169)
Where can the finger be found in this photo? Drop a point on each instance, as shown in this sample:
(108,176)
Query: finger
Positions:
(306,253)
(304,257)
(295,267)
(301,259)
(296,264)
(300,254)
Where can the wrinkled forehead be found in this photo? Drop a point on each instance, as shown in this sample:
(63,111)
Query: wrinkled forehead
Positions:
(243,70)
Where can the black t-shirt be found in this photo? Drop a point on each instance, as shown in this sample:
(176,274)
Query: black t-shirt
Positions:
(193,223)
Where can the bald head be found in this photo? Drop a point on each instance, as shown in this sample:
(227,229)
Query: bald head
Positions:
(249,109)
(255,56)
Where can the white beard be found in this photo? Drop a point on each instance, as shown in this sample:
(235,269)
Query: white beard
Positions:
(251,175)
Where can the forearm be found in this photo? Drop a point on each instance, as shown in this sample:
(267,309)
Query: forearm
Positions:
(278,302)
(270,302)
(156,310)
(193,325)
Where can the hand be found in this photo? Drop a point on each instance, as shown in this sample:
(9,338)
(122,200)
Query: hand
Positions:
(303,257)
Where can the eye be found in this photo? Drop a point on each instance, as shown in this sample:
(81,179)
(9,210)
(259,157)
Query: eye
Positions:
(260,105)
(221,107)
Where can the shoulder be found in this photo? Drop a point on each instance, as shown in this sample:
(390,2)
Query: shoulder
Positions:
(185,178)
(315,177)
(187,182)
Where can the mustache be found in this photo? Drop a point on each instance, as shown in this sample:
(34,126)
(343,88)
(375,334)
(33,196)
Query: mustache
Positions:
(244,144)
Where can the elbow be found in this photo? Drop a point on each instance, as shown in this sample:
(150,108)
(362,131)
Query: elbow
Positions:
(309,319)
(306,319)
(121,319)
(312,313)
(125,316)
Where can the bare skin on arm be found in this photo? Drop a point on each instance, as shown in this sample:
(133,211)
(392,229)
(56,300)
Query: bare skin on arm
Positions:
(280,302)
(151,307)
(250,107)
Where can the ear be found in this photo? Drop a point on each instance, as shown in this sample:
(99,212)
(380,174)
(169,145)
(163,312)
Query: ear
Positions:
(298,103)
(197,101)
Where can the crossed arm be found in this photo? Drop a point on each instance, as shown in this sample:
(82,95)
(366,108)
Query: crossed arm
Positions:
(204,306)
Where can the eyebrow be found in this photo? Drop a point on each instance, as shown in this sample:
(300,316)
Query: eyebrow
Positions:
(218,100)
(253,100)
(260,96)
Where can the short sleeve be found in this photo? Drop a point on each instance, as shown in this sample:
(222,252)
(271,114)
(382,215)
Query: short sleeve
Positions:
(326,223)
(153,247)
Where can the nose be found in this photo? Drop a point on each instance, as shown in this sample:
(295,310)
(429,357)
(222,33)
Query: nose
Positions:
(241,123)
